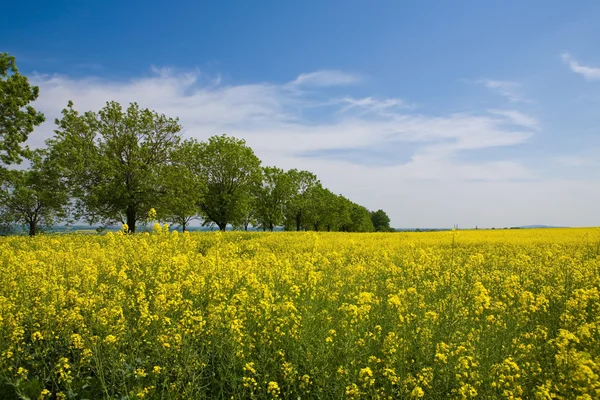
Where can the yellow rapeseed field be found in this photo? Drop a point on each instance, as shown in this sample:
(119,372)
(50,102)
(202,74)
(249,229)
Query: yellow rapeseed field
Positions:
(472,314)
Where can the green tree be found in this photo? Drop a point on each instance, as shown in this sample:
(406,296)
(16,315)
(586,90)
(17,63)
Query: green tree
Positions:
(17,118)
(231,172)
(180,186)
(296,209)
(316,207)
(359,219)
(337,212)
(111,160)
(381,221)
(272,196)
(248,213)
(35,198)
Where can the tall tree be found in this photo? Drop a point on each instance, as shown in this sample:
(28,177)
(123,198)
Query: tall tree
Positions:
(272,195)
(297,208)
(316,206)
(381,221)
(180,186)
(361,219)
(231,171)
(337,213)
(357,219)
(17,117)
(35,198)
(112,159)
(248,213)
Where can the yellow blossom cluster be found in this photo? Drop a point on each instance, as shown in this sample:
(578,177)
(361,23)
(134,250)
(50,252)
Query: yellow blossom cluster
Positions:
(509,314)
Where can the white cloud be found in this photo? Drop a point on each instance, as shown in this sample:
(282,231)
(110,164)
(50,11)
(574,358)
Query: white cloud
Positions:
(589,73)
(326,78)
(518,118)
(432,185)
(371,105)
(509,89)
(271,116)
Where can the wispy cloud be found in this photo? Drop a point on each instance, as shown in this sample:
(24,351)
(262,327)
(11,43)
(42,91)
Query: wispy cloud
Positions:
(371,105)
(273,120)
(509,89)
(518,118)
(589,73)
(326,78)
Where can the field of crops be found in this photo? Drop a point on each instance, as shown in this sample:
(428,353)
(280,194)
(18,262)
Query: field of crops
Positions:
(477,314)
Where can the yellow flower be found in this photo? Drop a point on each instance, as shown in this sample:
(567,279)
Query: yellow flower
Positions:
(273,307)
(140,373)
(352,391)
(273,389)
(366,376)
(22,373)
(417,393)
(77,341)
(110,339)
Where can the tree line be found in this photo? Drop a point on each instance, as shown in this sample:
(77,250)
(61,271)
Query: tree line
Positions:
(116,164)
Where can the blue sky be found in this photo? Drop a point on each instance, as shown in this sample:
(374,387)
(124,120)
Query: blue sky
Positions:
(467,112)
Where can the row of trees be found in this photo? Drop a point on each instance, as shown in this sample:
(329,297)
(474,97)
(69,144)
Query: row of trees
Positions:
(115,164)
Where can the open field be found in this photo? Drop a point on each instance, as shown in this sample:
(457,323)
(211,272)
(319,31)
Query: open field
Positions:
(486,314)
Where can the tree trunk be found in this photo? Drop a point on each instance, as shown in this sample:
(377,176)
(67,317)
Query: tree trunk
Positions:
(328,228)
(222,225)
(131,214)
(183,227)
(271,227)
(32,228)
(298,218)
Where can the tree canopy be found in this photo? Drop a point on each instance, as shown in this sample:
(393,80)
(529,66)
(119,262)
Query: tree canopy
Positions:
(381,221)
(272,196)
(34,198)
(231,172)
(112,159)
(180,186)
(17,118)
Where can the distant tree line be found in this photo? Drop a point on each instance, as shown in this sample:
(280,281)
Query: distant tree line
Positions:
(115,165)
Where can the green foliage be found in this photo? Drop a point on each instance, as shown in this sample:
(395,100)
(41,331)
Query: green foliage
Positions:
(360,219)
(317,198)
(296,211)
(337,212)
(381,221)
(35,198)
(17,117)
(248,213)
(231,172)
(181,186)
(112,160)
(272,196)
